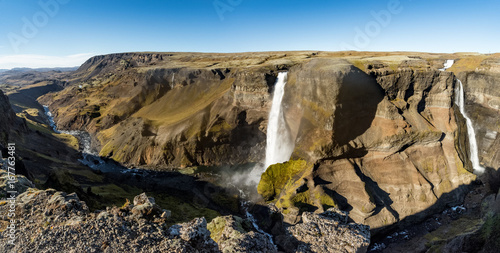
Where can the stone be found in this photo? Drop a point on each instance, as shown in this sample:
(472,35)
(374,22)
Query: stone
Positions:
(326,232)
(234,234)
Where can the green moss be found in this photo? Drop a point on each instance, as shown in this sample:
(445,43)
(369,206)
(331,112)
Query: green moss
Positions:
(226,201)
(359,64)
(490,230)
(428,166)
(277,176)
(303,197)
(222,126)
(327,201)
(113,194)
(445,186)
(437,239)
(183,210)
(70,140)
(216,227)
(88,174)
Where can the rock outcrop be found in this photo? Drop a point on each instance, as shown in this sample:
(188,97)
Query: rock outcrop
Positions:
(52,221)
(329,231)
(9,125)
(234,234)
(483,107)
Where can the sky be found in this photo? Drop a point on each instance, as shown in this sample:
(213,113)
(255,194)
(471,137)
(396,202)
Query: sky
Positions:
(65,33)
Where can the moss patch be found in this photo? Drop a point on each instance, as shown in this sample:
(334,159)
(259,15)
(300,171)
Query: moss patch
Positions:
(113,194)
(182,210)
(490,231)
(277,176)
(437,239)
(216,227)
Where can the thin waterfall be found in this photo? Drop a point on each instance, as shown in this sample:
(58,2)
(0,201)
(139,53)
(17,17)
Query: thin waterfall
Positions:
(460,101)
(279,146)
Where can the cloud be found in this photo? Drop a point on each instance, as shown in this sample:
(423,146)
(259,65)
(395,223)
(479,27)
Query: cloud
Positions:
(42,61)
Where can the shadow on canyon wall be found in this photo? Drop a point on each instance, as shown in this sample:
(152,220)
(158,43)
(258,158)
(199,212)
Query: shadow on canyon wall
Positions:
(358,98)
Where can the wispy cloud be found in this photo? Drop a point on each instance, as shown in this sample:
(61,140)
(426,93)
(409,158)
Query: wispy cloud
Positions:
(42,61)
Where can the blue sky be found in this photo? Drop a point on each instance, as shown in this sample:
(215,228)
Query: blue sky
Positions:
(48,33)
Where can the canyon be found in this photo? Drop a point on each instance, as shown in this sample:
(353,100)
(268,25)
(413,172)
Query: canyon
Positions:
(374,134)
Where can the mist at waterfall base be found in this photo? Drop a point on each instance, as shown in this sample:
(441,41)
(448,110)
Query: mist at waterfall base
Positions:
(460,102)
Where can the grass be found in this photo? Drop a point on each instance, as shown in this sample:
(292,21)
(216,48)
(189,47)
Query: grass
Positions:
(221,126)
(69,139)
(183,210)
(491,230)
(87,173)
(469,63)
(114,194)
(179,104)
(437,238)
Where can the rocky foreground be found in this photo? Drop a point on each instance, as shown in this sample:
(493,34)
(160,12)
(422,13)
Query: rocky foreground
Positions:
(54,221)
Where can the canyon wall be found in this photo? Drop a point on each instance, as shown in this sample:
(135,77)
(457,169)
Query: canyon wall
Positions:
(379,136)
(384,143)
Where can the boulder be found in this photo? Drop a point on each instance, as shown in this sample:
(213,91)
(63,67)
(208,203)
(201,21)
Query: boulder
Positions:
(234,234)
(145,206)
(326,232)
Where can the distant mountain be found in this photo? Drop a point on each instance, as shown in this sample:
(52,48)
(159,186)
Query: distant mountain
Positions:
(28,76)
(39,69)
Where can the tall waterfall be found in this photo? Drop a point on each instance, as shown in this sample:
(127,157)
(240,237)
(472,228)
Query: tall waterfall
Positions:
(460,101)
(279,146)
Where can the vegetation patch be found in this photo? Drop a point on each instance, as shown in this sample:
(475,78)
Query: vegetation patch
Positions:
(470,63)
(437,239)
(182,210)
(490,231)
(277,176)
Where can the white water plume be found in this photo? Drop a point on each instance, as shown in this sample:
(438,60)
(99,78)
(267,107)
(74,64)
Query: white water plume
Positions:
(447,65)
(279,146)
(460,101)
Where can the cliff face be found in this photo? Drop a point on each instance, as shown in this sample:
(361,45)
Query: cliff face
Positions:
(380,137)
(169,117)
(8,115)
(483,107)
(9,125)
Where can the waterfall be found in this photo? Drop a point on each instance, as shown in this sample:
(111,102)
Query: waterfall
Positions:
(460,101)
(447,65)
(279,146)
